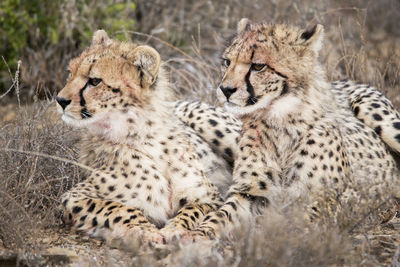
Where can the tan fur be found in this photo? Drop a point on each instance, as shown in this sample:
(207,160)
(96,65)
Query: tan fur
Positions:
(149,168)
(299,135)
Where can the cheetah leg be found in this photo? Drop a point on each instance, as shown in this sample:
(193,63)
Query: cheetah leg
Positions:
(220,129)
(187,219)
(248,194)
(106,219)
(234,213)
(376,111)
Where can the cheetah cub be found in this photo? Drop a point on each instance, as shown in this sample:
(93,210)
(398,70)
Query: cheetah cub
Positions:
(300,135)
(149,170)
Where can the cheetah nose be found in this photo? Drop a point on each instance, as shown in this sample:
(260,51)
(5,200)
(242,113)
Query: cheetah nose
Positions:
(63,102)
(228,91)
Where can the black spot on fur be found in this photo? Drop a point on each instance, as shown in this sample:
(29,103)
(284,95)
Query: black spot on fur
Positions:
(375,105)
(310,142)
(219,133)
(299,165)
(396,125)
(92,207)
(228,152)
(378,130)
(76,209)
(377,117)
(262,185)
(304,152)
(182,202)
(215,142)
(356,111)
(107,224)
(111,188)
(117,219)
(212,122)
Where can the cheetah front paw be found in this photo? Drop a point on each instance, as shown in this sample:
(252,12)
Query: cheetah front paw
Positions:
(136,236)
(146,236)
(172,233)
(198,235)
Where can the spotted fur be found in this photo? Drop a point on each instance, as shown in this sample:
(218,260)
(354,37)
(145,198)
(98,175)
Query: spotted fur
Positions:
(300,135)
(149,169)
(373,109)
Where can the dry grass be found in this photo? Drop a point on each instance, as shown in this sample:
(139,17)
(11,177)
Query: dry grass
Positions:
(35,167)
(36,149)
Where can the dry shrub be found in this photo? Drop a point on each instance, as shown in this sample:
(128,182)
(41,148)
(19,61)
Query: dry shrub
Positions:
(35,169)
(281,237)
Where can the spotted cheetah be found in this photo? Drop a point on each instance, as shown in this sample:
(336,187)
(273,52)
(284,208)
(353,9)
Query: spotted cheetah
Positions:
(148,169)
(300,135)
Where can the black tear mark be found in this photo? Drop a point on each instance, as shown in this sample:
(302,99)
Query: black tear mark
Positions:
(250,89)
(84,112)
(82,100)
(285,88)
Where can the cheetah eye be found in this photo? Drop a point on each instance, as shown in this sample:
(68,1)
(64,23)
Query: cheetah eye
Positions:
(94,81)
(226,62)
(258,67)
(69,75)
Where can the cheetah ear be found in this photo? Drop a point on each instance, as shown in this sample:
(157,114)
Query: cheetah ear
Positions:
(147,61)
(313,37)
(100,37)
(243,25)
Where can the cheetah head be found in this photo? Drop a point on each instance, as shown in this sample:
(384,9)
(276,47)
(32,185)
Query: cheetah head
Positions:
(268,67)
(108,79)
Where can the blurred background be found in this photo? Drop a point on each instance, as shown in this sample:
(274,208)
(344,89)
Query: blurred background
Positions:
(38,38)
(362,40)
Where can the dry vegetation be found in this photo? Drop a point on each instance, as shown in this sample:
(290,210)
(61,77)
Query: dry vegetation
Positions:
(38,152)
